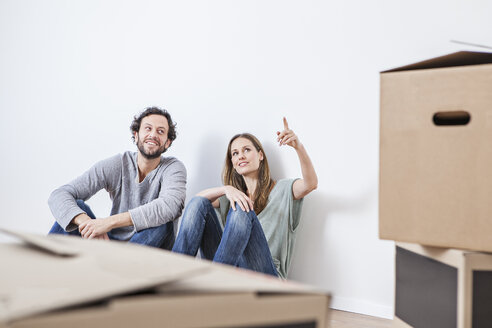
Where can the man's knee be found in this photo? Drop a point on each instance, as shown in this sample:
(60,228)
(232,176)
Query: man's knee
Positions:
(84,207)
(57,229)
(161,236)
(165,230)
(169,236)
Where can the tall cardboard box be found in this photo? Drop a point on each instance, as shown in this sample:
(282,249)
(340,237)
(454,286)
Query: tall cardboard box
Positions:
(62,281)
(436,152)
(442,288)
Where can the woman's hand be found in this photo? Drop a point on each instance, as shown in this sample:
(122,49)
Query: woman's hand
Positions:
(234,195)
(288,137)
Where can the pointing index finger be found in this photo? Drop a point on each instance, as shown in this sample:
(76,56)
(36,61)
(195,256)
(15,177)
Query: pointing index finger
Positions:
(286,125)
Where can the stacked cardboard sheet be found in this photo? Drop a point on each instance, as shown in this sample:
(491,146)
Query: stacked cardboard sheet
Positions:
(60,281)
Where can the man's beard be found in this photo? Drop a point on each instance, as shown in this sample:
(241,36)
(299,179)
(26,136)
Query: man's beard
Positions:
(150,155)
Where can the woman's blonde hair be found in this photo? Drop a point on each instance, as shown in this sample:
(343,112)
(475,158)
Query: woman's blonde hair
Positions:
(265,182)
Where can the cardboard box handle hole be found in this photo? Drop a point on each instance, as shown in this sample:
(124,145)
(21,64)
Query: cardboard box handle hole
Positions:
(459,117)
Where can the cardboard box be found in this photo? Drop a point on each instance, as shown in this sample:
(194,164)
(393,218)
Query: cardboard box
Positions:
(442,288)
(61,281)
(436,152)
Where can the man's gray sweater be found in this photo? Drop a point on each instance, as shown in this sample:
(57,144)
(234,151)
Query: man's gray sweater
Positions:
(158,199)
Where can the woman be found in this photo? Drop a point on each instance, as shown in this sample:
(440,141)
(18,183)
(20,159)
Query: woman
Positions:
(259,215)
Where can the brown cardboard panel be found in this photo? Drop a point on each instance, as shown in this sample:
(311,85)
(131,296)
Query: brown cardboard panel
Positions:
(449,256)
(107,284)
(35,281)
(224,278)
(227,310)
(435,181)
(462,58)
(57,247)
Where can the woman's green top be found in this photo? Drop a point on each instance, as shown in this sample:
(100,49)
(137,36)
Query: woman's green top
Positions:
(279,220)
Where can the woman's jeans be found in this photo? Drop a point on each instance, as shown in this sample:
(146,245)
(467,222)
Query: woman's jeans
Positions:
(242,244)
(161,236)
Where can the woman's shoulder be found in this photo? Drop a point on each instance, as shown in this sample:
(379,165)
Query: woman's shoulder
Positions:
(282,186)
(284,183)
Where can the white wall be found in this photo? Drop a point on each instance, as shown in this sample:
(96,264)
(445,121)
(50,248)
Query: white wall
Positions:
(72,74)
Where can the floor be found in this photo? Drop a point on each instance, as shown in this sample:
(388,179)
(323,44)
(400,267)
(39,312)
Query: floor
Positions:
(342,319)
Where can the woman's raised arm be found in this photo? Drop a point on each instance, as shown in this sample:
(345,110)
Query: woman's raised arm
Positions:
(309,181)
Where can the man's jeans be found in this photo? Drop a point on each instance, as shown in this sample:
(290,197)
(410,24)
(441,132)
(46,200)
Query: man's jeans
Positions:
(161,236)
(242,243)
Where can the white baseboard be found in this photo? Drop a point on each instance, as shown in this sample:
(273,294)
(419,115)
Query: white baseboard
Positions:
(357,306)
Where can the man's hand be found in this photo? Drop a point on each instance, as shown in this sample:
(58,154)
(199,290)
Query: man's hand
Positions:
(79,219)
(102,237)
(96,228)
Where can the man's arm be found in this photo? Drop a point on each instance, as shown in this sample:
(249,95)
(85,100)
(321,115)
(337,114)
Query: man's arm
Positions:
(63,200)
(99,228)
(166,207)
(170,202)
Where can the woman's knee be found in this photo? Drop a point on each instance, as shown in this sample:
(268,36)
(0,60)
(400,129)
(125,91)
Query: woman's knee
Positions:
(198,203)
(240,219)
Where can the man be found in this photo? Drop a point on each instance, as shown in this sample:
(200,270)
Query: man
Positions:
(148,190)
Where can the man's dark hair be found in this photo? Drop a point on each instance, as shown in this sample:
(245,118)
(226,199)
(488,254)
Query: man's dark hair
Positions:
(137,120)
